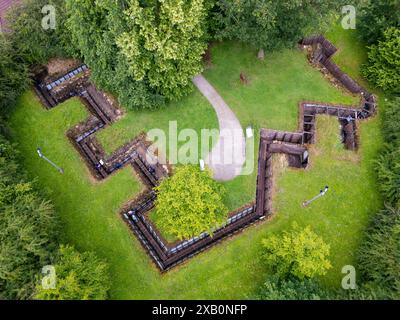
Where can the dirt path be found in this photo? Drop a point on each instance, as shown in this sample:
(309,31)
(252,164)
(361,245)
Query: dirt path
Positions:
(228,156)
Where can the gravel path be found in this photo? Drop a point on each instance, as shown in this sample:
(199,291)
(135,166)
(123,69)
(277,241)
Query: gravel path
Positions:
(228,156)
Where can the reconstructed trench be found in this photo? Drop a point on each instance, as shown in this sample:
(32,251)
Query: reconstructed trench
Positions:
(136,153)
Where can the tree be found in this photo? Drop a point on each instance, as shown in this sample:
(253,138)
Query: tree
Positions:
(269,25)
(291,289)
(79,276)
(300,253)
(190,202)
(379,255)
(95,27)
(391,121)
(33,43)
(383,67)
(164,43)
(27,228)
(13,76)
(388,169)
(376,17)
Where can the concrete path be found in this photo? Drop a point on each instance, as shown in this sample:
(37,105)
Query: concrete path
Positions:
(228,156)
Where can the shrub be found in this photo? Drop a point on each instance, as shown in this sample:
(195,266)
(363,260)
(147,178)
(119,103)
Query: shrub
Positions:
(391,122)
(388,169)
(27,228)
(299,253)
(79,276)
(291,289)
(189,203)
(379,255)
(376,17)
(383,67)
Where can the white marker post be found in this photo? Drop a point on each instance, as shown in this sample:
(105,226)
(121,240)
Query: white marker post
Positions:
(49,161)
(202,165)
(321,194)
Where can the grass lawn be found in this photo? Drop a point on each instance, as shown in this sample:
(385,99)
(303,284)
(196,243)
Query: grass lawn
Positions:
(233,269)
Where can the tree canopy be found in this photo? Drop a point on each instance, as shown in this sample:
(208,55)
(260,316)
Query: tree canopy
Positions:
(379,255)
(27,228)
(79,276)
(383,67)
(190,202)
(269,24)
(300,253)
(377,16)
(143,51)
(164,43)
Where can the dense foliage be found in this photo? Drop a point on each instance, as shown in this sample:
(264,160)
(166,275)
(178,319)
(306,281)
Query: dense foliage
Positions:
(144,52)
(13,76)
(34,43)
(276,288)
(383,67)
(79,276)
(95,27)
(379,256)
(376,17)
(269,25)
(27,228)
(190,202)
(300,253)
(388,163)
(164,43)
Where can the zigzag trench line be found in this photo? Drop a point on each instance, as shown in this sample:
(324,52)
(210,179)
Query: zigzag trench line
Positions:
(135,153)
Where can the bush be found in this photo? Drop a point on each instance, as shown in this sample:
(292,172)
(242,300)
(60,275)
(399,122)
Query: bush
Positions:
(388,168)
(299,253)
(33,43)
(13,75)
(388,163)
(79,276)
(383,67)
(391,122)
(27,228)
(379,255)
(291,289)
(189,203)
(376,17)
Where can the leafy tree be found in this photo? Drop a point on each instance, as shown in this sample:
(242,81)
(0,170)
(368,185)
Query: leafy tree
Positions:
(383,68)
(391,121)
(291,289)
(95,27)
(379,255)
(164,43)
(376,17)
(79,276)
(388,168)
(27,228)
(13,76)
(189,203)
(33,43)
(299,253)
(269,25)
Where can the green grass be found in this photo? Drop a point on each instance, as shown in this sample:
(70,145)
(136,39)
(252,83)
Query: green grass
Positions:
(233,269)
(193,112)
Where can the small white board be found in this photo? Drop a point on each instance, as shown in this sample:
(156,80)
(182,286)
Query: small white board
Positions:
(249,132)
(202,165)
